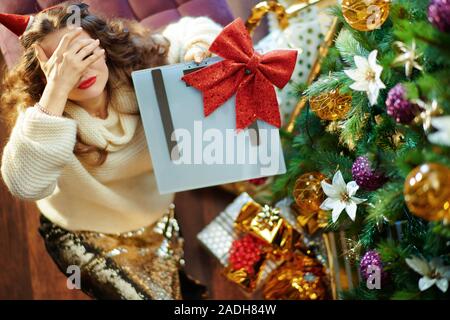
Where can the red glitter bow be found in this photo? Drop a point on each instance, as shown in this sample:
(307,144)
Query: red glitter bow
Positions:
(245,72)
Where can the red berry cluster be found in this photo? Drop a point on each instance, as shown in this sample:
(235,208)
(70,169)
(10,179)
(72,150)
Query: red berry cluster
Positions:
(245,252)
(258,181)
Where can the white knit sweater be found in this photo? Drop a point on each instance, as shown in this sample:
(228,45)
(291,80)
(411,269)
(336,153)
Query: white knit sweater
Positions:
(38,162)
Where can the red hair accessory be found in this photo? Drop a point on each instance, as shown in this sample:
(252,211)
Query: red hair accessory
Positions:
(245,72)
(16,23)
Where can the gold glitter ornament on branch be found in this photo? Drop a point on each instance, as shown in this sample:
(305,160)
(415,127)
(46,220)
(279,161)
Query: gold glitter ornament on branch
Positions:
(365,15)
(427,192)
(308,193)
(331,105)
(302,278)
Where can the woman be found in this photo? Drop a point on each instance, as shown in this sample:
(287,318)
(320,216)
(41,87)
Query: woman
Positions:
(78,148)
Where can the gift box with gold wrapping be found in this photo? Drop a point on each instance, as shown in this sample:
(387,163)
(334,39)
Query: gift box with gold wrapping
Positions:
(250,241)
(263,222)
(244,217)
(300,277)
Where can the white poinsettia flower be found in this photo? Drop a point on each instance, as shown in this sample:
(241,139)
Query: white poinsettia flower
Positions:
(367,76)
(442,135)
(341,196)
(433,272)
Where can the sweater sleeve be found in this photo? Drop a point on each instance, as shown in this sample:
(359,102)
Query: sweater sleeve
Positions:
(186,32)
(39,147)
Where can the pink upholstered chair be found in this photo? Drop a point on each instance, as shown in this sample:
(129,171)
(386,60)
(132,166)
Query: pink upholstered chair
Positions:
(154,14)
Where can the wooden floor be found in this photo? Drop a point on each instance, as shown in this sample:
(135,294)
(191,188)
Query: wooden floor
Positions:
(27,272)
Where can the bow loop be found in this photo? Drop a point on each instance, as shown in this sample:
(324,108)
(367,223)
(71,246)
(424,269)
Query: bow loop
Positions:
(255,95)
(233,43)
(277,66)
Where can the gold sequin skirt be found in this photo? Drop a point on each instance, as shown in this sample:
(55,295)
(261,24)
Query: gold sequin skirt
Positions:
(146,264)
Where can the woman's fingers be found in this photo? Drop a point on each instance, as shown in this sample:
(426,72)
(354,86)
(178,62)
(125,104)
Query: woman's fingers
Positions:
(66,40)
(200,56)
(88,49)
(40,55)
(197,54)
(98,54)
(190,54)
(79,44)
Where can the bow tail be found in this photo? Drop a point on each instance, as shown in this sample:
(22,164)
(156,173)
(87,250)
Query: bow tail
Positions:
(256,100)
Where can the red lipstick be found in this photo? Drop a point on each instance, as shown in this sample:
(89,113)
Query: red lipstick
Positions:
(87,83)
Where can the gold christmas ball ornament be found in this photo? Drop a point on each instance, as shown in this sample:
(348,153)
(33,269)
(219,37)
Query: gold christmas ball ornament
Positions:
(308,193)
(365,15)
(302,278)
(427,192)
(331,105)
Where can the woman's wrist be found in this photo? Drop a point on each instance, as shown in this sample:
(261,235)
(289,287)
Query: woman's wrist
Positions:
(58,88)
(53,99)
(45,110)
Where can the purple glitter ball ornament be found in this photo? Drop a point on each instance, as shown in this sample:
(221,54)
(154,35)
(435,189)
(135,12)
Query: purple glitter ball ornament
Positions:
(369,262)
(398,107)
(439,14)
(365,176)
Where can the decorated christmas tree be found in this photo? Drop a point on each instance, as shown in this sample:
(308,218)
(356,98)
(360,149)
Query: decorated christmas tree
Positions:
(370,149)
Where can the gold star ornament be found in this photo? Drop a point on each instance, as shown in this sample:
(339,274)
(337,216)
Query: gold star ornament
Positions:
(407,57)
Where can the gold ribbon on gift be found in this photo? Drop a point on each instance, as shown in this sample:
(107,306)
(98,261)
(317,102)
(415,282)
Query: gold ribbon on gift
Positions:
(241,277)
(266,223)
(248,282)
(313,221)
(263,8)
(263,222)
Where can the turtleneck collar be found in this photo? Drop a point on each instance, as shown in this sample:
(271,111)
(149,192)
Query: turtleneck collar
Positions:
(114,132)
